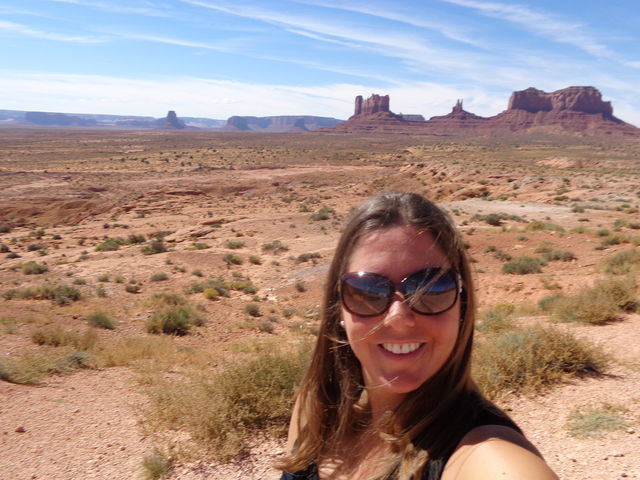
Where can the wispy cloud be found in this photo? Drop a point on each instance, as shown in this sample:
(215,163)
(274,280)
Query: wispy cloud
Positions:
(31,32)
(389,12)
(544,24)
(398,45)
(153,10)
(219,47)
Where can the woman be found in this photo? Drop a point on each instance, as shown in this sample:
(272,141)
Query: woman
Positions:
(388,393)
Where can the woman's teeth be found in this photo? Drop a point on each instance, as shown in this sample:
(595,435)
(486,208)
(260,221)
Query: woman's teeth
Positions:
(401,348)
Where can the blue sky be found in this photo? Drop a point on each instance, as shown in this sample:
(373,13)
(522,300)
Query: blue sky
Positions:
(217,58)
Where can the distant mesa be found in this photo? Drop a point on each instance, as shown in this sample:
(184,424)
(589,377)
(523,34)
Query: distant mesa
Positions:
(578,110)
(57,119)
(282,123)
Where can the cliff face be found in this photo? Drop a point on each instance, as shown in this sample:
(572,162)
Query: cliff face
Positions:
(576,110)
(577,99)
(57,119)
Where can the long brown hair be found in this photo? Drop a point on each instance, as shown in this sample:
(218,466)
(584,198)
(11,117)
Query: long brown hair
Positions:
(430,419)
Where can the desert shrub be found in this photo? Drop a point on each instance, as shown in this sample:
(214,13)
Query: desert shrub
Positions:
(31,367)
(4,228)
(234,244)
(56,336)
(275,246)
(130,350)
(622,262)
(496,219)
(79,281)
(211,294)
(288,312)
(101,320)
(497,319)
(35,247)
(603,232)
(255,260)
(200,245)
(4,248)
(539,226)
(222,411)
(159,277)
(218,284)
(58,294)
(231,259)
(197,272)
(266,327)
(168,299)
(305,257)
(134,239)
(104,278)
(253,309)
(593,421)
(101,292)
(33,268)
(599,304)
(301,286)
(132,288)
(527,359)
(323,214)
(559,255)
(523,266)
(156,246)
(156,465)
(178,320)
(111,244)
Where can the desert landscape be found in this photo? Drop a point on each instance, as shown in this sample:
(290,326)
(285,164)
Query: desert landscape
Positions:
(160,290)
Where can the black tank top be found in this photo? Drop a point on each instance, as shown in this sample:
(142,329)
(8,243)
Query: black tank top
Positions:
(486,416)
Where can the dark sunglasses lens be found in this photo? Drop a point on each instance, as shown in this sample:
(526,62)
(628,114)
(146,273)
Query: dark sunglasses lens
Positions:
(366,295)
(432,291)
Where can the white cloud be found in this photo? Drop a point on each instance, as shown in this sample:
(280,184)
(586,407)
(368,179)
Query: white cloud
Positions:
(31,32)
(152,10)
(546,25)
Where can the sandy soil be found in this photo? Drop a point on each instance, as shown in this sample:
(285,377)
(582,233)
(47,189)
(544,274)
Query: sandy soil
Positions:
(86,425)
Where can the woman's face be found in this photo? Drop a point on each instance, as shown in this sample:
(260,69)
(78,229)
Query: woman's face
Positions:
(399,349)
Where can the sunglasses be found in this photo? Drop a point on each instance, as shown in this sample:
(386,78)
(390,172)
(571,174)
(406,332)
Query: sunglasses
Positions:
(429,291)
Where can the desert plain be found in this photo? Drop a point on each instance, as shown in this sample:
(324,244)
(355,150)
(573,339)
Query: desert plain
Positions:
(239,229)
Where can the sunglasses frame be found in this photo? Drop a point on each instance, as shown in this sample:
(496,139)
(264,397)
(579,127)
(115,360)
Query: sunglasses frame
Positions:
(399,287)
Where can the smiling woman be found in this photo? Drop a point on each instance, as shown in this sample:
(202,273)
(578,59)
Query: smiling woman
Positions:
(388,394)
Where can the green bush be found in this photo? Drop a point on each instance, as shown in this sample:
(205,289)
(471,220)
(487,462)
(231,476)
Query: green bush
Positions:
(156,246)
(323,214)
(255,260)
(253,309)
(497,319)
(178,320)
(529,358)
(234,244)
(275,247)
(132,288)
(159,277)
(111,244)
(58,294)
(305,257)
(101,320)
(523,266)
(231,259)
(599,304)
(33,268)
(623,262)
(559,255)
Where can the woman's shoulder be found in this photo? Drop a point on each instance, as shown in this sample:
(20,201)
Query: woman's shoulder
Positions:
(496,451)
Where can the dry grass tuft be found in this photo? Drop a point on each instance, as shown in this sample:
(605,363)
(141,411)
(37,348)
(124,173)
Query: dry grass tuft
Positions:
(527,359)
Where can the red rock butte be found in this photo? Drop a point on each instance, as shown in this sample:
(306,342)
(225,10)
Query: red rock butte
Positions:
(577,110)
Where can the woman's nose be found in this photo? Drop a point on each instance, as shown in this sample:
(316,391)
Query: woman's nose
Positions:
(399,312)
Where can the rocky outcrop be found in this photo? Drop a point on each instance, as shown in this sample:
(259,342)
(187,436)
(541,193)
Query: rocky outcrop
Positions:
(577,99)
(373,104)
(170,122)
(574,110)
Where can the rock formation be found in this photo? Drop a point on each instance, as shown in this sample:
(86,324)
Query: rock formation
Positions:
(578,99)
(575,110)
(171,122)
(373,104)
(57,119)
